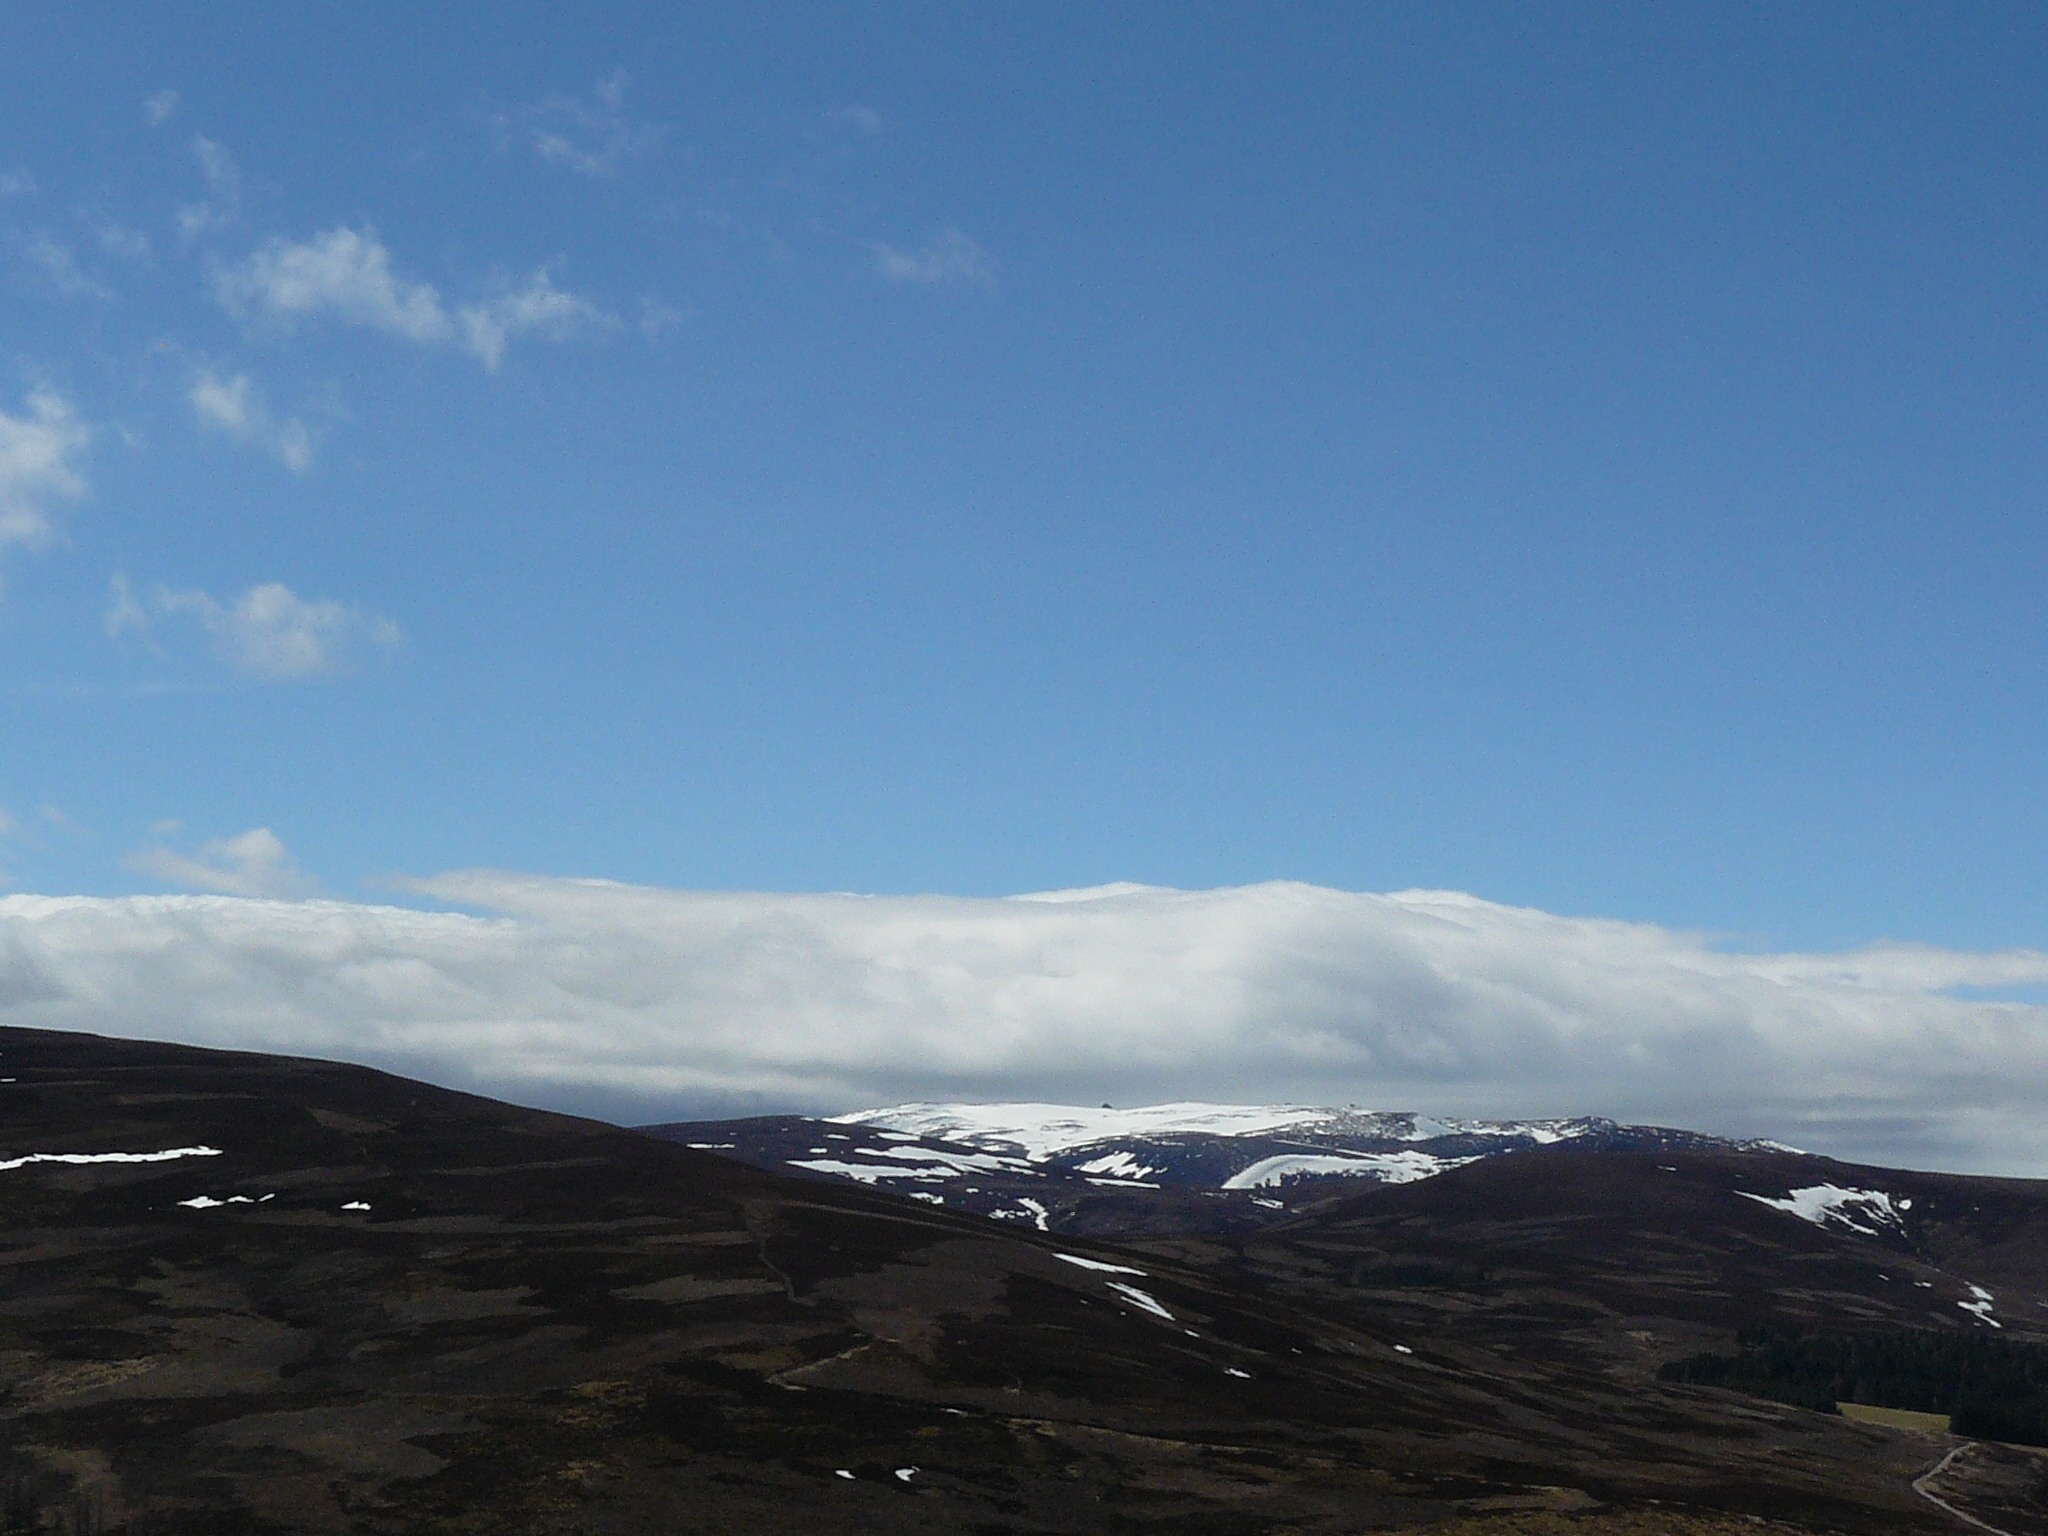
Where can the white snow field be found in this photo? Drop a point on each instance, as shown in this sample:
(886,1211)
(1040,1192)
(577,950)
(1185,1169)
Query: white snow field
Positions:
(1041,1131)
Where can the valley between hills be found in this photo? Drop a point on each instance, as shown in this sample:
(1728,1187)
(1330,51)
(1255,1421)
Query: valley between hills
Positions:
(252,1294)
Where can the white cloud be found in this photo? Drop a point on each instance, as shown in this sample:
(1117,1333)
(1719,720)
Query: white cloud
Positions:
(223,179)
(119,240)
(56,263)
(253,864)
(223,176)
(949,259)
(223,405)
(19,182)
(236,406)
(347,274)
(658,317)
(36,453)
(157,109)
(652,1002)
(591,136)
(344,273)
(269,632)
(537,308)
(124,610)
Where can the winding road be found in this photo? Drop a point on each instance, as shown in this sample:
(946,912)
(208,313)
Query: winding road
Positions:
(1920,1487)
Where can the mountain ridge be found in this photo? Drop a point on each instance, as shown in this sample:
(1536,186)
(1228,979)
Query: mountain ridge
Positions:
(1071,1167)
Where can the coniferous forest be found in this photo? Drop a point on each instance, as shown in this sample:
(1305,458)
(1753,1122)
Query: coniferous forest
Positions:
(1990,1387)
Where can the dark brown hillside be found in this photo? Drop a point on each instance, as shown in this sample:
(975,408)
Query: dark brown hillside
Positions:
(543,1324)
(1631,1258)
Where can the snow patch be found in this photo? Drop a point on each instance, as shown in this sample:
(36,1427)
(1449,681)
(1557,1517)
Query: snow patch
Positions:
(1386,1167)
(978,1162)
(1140,1298)
(1032,1212)
(165,1156)
(1869,1211)
(921,1163)
(1108,1269)
(1117,1165)
(1979,1306)
(872,1173)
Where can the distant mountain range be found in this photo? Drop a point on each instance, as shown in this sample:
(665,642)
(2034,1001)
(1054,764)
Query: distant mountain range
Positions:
(1064,1167)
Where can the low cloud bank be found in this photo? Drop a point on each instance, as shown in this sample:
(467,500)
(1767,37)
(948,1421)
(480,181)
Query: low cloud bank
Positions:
(639,1003)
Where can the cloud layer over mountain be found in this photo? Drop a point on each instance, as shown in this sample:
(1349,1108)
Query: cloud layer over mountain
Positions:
(641,1003)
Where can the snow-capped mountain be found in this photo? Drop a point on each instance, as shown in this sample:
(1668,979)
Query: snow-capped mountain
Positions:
(1063,1166)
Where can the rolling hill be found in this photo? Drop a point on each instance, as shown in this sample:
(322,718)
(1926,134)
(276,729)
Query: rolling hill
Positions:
(257,1294)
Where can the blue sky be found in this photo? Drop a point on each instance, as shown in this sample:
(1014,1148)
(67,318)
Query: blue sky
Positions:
(1590,457)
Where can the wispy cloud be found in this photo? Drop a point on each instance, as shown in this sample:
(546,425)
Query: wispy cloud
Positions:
(589,135)
(236,407)
(158,109)
(255,863)
(348,275)
(37,453)
(536,307)
(857,122)
(55,261)
(117,239)
(644,1001)
(949,259)
(658,317)
(18,182)
(223,201)
(269,632)
(57,820)
(125,614)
